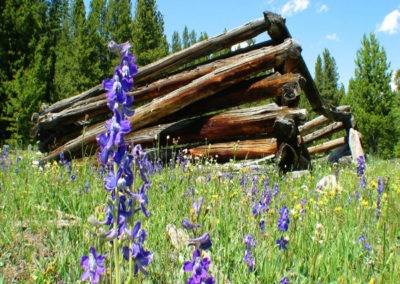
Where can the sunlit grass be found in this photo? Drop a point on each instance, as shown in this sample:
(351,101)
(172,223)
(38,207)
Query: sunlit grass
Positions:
(44,229)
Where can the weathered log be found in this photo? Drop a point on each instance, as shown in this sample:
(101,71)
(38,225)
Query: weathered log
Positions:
(292,154)
(200,49)
(278,32)
(249,149)
(326,146)
(242,123)
(60,105)
(324,132)
(318,121)
(255,62)
(355,145)
(247,91)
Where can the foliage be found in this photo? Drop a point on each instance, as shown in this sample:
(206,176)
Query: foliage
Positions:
(326,78)
(335,234)
(149,42)
(371,98)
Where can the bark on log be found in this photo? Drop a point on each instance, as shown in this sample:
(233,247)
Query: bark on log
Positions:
(198,50)
(255,62)
(324,132)
(318,121)
(327,146)
(249,149)
(248,91)
(236,124)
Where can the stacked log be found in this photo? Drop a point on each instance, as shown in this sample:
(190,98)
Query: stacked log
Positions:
(206,106)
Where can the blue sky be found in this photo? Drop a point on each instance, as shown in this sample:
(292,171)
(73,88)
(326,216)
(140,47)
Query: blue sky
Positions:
(335,25)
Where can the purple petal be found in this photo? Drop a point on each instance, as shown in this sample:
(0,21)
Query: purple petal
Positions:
(108,84)
(187,266)
(85,262)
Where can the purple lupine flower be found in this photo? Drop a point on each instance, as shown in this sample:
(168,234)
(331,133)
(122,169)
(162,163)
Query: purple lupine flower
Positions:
(127,69)
(362,239)
(116,129)
(367,246)
(284,220)
(119,49)
(198,266)
(380,186)
(142,258)
(93,264)
(188,225)
(284,280)
(249,260)
(141,197)
(282,242)
(276,189)
(197,206)
(203,242)
(87,184)
(361,166)
(259,208)
(249,242)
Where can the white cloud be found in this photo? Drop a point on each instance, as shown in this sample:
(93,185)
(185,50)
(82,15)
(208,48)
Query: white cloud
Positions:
(390,23)
(294,6)
(322,8)
(333,37)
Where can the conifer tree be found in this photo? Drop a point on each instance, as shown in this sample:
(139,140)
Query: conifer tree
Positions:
(100,63)
(176,44)
(149,41)
(185,38)
(371,97)
(326,78)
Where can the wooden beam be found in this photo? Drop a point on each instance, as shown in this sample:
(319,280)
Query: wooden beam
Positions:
(249,149)
(327,146)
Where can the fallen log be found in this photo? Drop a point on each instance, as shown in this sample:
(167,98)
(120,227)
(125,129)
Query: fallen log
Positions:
(245,92)
(249,149)
(318,121)
(324,132)
(326,146)
(205,86)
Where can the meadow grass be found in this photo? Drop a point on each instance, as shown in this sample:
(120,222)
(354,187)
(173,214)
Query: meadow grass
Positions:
(44,229)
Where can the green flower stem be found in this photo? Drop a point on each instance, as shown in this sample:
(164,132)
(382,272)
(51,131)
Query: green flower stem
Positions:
(116,247)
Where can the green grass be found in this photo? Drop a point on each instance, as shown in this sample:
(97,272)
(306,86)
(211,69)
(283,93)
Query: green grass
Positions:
(44,229)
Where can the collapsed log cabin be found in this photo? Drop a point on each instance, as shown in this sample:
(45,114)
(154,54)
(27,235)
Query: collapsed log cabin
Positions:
(242,104)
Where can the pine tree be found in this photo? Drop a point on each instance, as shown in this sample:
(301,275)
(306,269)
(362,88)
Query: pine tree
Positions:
(100,62)
(185,38)
(192,37)
(371,97)
(326,78)
(318,74)
(26,43)
(176,44)
(149,41)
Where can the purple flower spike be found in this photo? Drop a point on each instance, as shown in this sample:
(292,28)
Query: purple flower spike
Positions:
(282,242)
(199,268)
(119,49)
(203,242)
(188,225)
(93,265)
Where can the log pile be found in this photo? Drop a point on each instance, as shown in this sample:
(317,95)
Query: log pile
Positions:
(243,104)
